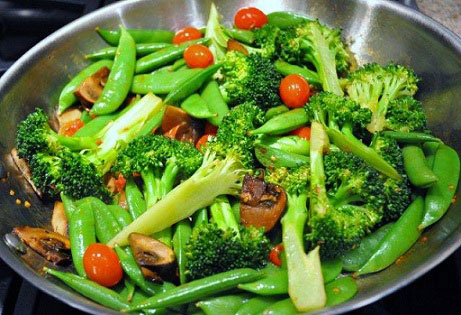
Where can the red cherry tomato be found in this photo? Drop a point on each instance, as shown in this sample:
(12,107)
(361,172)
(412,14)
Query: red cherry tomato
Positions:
(249,18)
(102,265)
(303,132)
(202,141)
(294,91)
(198,56)
(186,34)
(274,255)
(211,129)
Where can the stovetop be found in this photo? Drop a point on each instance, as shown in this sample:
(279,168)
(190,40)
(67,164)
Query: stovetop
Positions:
(437,292)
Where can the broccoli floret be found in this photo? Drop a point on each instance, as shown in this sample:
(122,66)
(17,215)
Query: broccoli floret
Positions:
(374,87)
(345,199)
(341,117)
(318,45)
(221,245)
(406,114)
(265,39)
(233,138)
(249,78)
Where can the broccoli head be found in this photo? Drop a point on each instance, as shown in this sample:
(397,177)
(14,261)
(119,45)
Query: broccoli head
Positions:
(406,114)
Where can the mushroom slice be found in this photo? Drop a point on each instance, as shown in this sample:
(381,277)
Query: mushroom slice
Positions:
(153,255)
(59,219)
(261,203)
(173,117)
(53,246)
(184,132)
(153,276)
(90,89)
(25,171)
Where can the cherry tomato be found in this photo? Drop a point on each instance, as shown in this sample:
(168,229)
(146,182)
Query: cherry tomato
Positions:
(120,183)
(198,56)
(71,127)
(274,255)
(211,129)
(102,265)
(303,132)
(186,34)
(232,44)
(294,91)
(202,141)
(249,18)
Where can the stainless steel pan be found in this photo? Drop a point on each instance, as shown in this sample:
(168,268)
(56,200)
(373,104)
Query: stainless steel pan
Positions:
(378,31)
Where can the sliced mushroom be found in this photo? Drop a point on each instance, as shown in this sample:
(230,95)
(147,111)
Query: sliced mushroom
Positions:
(261,203)
(153,255)
(53,246)
(173,117)
(90,90)
(66,118)
(184,132)
(149,274)
(25,170)
(59,219)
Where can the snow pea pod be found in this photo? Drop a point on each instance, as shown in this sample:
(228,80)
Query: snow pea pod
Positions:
(141,50)
(284,19)
(283,123)
(112,37)
(90,289)
(275,111)
(165,56)
(416,167)
(122,216)
(273,283)
(430,148)
(411,137)
(356,258)
(199,289)
(181,235)
(290,144)
(119,81)
(401,236)
(283,307)
(69,205)
(340,290)
(85,117)
(161,82)
(243,36)
(331,269)
(128,290)
(224,305)
(67,97)
(152,124)
(256,305)
(196,107)
(186,88)
(272,157)
(134,199)
(440,196)
(105,223)
(285,68)
(216,104)
(96,125)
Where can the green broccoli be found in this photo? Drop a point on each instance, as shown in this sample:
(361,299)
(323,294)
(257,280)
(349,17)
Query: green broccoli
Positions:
(319,45)
(406,114)
(265,40)
(375,87)
(249,78)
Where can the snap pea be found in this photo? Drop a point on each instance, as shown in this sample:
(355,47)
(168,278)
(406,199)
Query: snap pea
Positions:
(90,289)
(190,86)
(165,56)
(275,111)
(284,19)
(285,68)
(141,50)
(439,197)
(96,125)
(178,65)
(289,144)
(273,283)
(340,290)
(200,217)
(134,199)
(401,236)
(283,307)
(411,137)
(122,216)
(430,148)
(356,258)
(216,104)
(224,305)
(416,167)
(112,37)
(152,124)
(181,235)
(69,205)
(131,268)
(106,225)
(331,269)
(161,82)
(81,233)
(283,123)
(256,305)
(271,157)
(129,289)
(198,289)
(85,117)
(164,236)
(243,36)
(119,81)
(67,97)
(196,107)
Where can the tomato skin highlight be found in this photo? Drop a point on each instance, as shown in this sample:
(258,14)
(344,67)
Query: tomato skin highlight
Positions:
(249,18)
(186,34)
(294,91)
(303,132)
(198,56)
(202,141)
(274,255)
(102,265)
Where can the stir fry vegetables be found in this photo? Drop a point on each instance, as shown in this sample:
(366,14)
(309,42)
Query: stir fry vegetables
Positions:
(242,169)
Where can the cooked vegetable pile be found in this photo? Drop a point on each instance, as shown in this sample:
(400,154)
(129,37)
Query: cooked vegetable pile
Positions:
(247,169)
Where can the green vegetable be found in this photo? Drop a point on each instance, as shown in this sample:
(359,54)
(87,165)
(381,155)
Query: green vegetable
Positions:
(161,82)
(181,236)
(134,199)
(200,217)
(152,124)
(275,111)
(273,283)
(289,144)
(285,68)
(402,235)
(331,269)
(69,205)
(216,104)
(225,305)
(340,290)
(96,125)
(141,50)
(244,36)
(271,157)
(112,37)
(283,123)
(67,97)
(256,305)
(284,19)
(411,137)
(105,223)
(119,81)
(196,107)
(430,148)
(282,307)
(416,167)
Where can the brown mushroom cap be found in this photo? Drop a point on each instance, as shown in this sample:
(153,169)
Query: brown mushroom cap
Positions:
(53,246)
(90,89)
(261,203)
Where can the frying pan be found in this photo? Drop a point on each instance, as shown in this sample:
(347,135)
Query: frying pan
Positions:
(376,30)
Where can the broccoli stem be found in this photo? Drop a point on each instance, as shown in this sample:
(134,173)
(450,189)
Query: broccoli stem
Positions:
(343,196)
(223,216)
(77,143)
(169,177)
(152,187)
